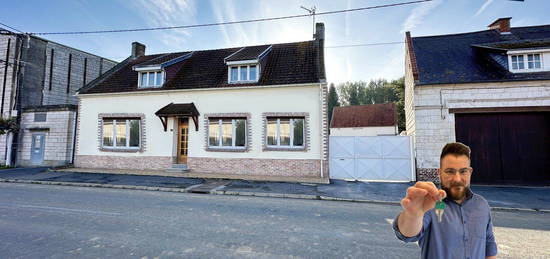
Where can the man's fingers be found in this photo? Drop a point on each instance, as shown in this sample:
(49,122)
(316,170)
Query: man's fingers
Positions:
(414,192)
(430,188)
(442,194)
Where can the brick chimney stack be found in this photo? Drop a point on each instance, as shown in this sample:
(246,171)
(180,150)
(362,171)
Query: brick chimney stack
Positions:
(502,25)
(138,50)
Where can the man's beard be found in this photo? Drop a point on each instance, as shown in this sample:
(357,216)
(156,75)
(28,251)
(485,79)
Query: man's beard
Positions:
(456,191)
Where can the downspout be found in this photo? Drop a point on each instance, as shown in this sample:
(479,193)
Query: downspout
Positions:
(74,136)
(321,146)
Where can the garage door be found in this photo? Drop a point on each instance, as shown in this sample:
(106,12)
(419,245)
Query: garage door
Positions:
(507,148)
(380,158)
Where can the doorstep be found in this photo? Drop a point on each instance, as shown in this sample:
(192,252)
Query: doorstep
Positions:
(194,174)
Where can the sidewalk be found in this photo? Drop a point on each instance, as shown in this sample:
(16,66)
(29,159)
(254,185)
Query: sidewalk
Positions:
(515,198)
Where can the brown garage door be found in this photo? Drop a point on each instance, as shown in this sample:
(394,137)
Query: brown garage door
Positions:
(507,148)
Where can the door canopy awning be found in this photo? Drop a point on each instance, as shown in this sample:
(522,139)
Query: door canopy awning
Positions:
(178,110)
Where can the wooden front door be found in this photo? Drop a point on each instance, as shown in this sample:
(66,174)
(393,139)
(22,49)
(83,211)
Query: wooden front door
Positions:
(183,140)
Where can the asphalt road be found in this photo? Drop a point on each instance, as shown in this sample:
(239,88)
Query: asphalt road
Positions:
(39,221)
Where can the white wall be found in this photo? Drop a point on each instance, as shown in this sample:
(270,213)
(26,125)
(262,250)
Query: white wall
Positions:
(160,143)
(364,131)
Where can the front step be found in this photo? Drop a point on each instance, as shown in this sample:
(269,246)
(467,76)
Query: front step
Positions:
(178,168)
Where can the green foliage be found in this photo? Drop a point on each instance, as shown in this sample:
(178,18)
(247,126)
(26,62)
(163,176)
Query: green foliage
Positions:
(332,101)
(376,91)
(8,125)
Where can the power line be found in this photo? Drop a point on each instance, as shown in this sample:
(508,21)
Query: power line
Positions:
(365,44)
(234,22)
(11,27)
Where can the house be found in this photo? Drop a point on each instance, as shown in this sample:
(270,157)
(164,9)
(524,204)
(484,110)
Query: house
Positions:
(39,80)
(489,89)
(252,110)
(364,120)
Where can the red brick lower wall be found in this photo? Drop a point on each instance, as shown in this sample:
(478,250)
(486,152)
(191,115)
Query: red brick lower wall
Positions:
(249,166)
(427,174)
(124,162)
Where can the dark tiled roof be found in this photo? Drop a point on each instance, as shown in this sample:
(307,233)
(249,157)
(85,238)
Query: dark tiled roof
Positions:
(248,53)
(288,63)
(163,58)
(476,56)
(374,115)
(178,109)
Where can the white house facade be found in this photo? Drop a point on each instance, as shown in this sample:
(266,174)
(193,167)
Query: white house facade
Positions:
(258,110)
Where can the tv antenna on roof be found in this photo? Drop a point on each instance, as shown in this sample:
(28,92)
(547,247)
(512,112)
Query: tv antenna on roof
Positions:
(312,14)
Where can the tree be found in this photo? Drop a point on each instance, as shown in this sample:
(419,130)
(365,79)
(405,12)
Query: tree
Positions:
(8,125)
(399,86)
(351,93)
(332,101)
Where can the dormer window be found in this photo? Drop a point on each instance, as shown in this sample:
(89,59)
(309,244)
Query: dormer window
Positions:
(243,74)
(528,62)
(151,79)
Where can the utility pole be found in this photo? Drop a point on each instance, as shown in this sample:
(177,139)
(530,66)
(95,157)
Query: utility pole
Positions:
(312,14)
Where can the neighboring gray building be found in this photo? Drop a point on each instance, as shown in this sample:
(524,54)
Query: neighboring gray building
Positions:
(488,89)
(38,81)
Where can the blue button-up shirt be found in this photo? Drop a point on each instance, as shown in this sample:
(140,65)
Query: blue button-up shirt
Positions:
(466,231)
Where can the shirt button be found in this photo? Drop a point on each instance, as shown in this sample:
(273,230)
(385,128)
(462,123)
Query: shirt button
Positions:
(464,221)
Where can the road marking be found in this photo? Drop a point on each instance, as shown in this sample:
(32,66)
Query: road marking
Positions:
(48,208)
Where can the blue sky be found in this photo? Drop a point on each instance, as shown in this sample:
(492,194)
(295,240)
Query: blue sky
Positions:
(342,64)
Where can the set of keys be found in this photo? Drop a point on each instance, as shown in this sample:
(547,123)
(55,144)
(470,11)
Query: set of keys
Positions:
(439,207)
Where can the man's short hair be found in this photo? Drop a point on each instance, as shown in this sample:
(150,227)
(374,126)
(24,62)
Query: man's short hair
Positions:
(457,149)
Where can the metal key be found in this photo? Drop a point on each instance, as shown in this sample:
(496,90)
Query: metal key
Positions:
(439,208)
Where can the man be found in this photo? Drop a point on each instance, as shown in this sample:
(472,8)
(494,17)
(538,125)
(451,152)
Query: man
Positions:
(465,230)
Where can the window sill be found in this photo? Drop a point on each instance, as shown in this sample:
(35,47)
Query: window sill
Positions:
(125,150)
(215,149)
(242,82)
(295,149)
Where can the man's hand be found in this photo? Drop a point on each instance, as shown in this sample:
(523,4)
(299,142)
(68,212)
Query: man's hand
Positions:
(420,198)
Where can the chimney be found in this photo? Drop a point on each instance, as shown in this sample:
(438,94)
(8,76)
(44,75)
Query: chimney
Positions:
(319,31)
(138,50)
(502,25)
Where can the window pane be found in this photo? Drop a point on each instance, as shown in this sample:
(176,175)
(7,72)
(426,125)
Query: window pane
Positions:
(227,133)
(537,61)
(244,73)
(272,132)
(144,79)
(108,133)
(134,133)
(514,58)
(252,73)
(159,78)
(298,132)
(213,133)
(529,57)
(120,133)
(520,62)
(151,78)
(240,132)
(284,132)
(234,73)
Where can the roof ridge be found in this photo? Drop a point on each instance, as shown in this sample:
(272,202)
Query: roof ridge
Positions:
(474,32)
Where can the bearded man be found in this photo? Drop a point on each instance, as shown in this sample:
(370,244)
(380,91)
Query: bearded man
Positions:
(465,230)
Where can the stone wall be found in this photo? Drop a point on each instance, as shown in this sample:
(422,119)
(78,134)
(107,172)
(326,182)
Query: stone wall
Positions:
(260,167)
(435,126)
(123,162)
(59,131)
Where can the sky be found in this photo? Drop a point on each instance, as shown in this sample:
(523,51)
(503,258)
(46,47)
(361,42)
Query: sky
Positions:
(342,64)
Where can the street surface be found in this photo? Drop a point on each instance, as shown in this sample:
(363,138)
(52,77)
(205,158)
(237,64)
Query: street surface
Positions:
(43,221)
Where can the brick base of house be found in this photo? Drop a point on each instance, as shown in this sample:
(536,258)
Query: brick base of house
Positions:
(124,162)
(427,174)
(258,167)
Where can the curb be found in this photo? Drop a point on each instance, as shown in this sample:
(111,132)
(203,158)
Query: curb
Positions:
(217,191)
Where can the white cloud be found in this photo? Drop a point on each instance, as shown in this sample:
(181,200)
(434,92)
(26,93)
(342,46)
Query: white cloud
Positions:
(482,8)
(418,14)
(163,13)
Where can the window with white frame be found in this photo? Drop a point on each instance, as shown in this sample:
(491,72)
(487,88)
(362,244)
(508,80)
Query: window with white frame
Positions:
(244,73)
(151,79)
(227,133)
(121,133)
(285,132)
(526,62)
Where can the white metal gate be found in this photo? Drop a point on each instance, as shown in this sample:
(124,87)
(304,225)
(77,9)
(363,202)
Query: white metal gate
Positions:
(377,158)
